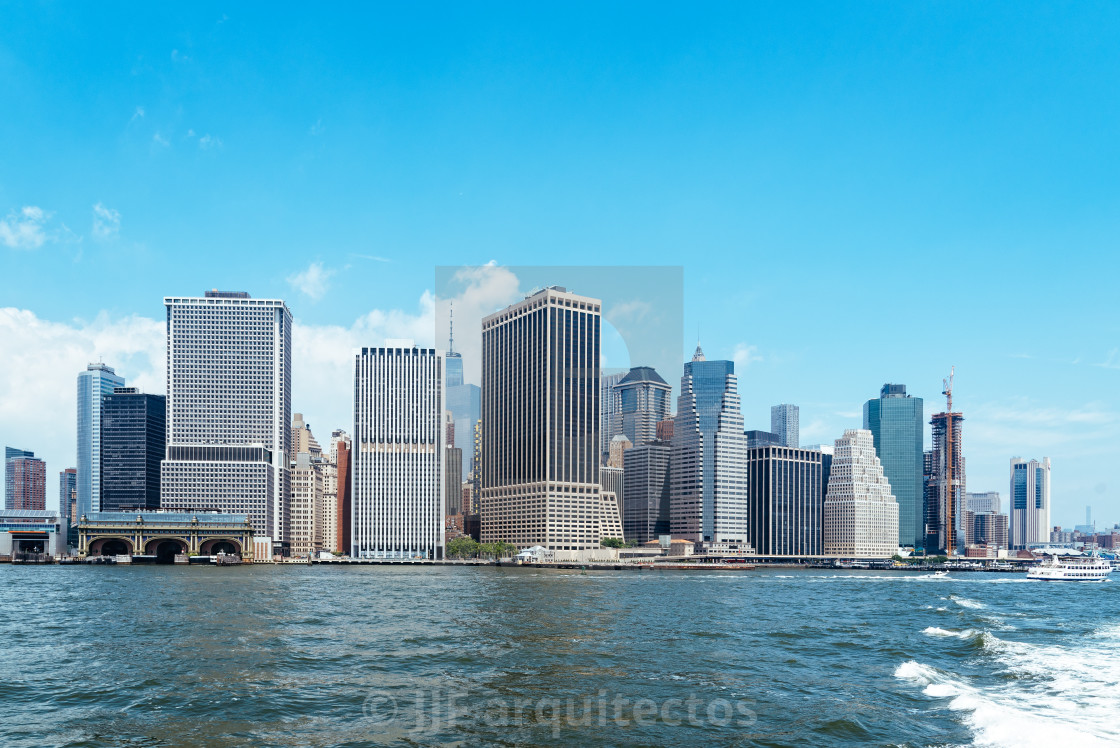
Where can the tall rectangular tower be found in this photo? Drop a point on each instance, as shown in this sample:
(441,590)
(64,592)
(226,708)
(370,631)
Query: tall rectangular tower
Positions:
(785,421)
(133,442)
(399,454)
(945,486)
(1030,502)
(786,491)
(229,406)
(541,423)
(97,381)
(25,481)
(896,422)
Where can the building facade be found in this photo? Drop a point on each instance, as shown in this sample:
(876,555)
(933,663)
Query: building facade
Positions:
(645,492)
(305,506)
(785,421)
(609,406)
(399,454)
(756,439)
(860,513)
(945,487)
(786,488)
(642,400)
(896,422)
(541,418)
(708,462)
(453,481)
(25,481)
(97,381)
(68,496)
(133,443)
(1030,502)
(229,408)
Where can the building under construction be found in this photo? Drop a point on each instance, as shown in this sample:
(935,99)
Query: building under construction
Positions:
(945,481)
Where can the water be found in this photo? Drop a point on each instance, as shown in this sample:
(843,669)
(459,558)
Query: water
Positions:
(324,656)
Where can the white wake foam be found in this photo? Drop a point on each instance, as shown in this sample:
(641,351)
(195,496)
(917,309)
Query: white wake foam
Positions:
(937,631)
(1001,718)
(964,602)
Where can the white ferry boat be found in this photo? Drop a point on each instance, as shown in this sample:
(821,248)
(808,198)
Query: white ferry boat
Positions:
(1085,569)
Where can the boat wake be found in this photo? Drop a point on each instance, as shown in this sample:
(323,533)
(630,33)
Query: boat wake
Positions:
(1033,695)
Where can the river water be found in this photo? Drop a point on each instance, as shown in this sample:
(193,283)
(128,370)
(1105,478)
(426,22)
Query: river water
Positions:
(352,656)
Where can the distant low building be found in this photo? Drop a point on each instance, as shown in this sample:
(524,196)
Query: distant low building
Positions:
(35,532)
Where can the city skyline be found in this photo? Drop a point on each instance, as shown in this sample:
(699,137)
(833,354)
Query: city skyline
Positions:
(856,164)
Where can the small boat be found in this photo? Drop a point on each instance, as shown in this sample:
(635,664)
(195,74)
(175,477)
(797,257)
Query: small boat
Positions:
(1071,569)
(940,574)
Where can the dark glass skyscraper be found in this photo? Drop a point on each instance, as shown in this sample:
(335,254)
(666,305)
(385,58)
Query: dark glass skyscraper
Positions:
(786,489)
(645,492)
(133,434)
(896,421)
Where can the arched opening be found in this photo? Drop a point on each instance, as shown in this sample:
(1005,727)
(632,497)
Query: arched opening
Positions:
(166,550)
(115,547)
(220,545)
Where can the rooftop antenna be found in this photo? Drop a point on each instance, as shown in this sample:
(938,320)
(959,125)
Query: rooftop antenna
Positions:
(451,332)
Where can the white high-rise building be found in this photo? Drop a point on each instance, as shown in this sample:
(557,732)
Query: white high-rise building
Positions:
(860,512)
(1030,502)
(541,423)
(398,453)
(708,463)
(229,407)
(97,381)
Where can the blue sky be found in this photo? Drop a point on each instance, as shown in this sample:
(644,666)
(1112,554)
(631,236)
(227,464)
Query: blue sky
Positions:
(858,193)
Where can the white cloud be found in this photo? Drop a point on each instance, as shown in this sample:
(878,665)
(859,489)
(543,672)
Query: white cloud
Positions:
(1113,360)
(106,222)
(137,114)
(208,141)
(38,388)
(317,128)
(312,282)
(23,229)
(374,258)
(160,140)
(744,355)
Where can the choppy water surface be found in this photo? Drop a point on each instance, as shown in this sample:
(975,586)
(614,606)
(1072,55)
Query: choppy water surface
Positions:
(295,655)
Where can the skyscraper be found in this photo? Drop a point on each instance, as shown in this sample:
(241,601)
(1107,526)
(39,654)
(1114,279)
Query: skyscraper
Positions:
(68,496)
(896,421)
(860,513)
(786,499)
(97,381)
(785,422)
(609,405)
(643,400)
(133,436)
(1030,502)
(945,486)
(398,481)
(25,481)
(463,400)
(541,423)
(229,408)
(708,463)
(453,481)
(645,492)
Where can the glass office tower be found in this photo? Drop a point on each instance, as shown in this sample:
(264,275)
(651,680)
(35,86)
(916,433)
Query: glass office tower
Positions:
(895,421)
(133,432)
(97,381)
